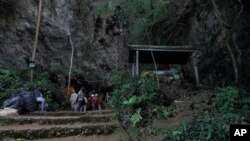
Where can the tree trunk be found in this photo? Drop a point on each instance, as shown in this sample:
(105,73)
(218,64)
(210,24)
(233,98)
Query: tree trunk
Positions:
(225,38)
(71,59)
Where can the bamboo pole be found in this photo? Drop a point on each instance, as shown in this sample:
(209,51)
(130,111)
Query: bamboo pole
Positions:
(71,59)
(36,39)
(116,55)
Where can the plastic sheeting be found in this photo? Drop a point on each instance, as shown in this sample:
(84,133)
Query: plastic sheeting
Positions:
(24,101)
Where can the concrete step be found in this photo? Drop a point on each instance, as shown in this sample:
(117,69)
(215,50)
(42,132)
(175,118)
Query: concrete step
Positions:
(37,131)
(70,113)
(27,119)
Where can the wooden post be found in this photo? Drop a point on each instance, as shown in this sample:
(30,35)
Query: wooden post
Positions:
(133,69)
(137,62)
(194,61)
(36,38)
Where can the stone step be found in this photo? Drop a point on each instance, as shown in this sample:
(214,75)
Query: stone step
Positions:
(21,120)
(36,131)
(70,113)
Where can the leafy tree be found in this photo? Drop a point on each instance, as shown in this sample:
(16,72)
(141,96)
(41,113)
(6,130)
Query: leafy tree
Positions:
(137,102)
(137,16)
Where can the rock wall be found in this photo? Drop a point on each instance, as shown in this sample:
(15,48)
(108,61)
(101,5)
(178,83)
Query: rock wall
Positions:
(195,22)
(96,38)
(93,37)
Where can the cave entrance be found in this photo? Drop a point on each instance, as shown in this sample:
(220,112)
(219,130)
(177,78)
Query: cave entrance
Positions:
(78,82)
(177,55)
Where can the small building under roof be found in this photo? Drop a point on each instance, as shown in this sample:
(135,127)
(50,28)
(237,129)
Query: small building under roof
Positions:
(149,54)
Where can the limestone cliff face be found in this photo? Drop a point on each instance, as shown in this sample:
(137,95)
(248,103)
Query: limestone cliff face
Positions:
(96,38)
(195,22)
(92,36)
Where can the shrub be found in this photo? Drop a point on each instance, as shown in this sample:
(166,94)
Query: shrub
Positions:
(136,104)
(14,81)
(212,125)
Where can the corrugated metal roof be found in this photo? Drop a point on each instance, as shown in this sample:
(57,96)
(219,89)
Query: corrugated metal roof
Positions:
(162,54)
(185,48)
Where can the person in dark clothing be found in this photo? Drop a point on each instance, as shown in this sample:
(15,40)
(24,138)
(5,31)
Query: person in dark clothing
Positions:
(82,100)
(40,99)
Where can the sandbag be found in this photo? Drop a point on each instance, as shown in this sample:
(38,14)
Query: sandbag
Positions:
(24,101)
(8,112)
(29,101)
(15,102)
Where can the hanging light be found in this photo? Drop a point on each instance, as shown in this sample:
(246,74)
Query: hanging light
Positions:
(32,64)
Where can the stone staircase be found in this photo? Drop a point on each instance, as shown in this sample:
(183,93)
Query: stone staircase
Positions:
(40,125)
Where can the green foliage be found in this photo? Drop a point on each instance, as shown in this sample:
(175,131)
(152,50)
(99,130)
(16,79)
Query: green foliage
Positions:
(162,111)
(59,68)
(139,15)
(119,77)
(13,81)
(213,125)
(136,104)
(176,133)
(136,117)
(8,83)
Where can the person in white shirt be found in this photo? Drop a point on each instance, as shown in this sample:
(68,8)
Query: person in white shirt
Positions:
(73,101)
(40,99)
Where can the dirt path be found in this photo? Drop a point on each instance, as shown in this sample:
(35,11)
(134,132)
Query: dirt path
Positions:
(113,137)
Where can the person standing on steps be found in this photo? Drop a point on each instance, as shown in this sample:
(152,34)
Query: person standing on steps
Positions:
(96,102)
(82,101)
(106,99)
(79,98)
(73,101)
(40,99)
(90,102)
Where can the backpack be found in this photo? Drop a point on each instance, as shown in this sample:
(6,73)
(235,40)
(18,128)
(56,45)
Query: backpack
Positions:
(83,102)
(80,98)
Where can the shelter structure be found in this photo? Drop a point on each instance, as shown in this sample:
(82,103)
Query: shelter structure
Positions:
(149,54)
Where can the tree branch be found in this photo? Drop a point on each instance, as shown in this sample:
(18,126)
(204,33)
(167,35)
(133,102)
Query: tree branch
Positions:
(240,12)
(152,54)
(224,37)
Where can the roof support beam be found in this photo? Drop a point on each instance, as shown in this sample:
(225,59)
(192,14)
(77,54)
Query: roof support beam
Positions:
(137,62)
(133,69)
(194,62)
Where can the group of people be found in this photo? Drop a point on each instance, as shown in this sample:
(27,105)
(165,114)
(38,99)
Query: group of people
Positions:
(82,101)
